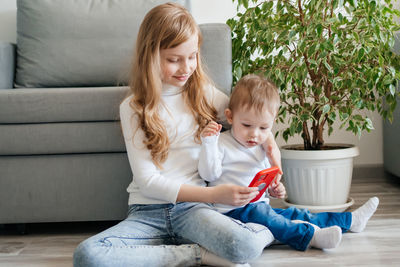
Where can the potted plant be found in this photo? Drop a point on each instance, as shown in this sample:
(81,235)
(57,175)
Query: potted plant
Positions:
(332,61)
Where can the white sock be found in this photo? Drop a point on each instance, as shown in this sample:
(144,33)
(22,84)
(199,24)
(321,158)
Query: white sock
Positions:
(328,237)
(209,258)
(360,216)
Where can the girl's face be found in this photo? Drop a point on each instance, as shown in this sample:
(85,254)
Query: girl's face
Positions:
(179,63)
(250,127)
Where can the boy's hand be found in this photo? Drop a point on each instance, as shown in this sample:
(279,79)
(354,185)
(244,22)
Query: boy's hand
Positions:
(234,195)
(211,129)
(277,190)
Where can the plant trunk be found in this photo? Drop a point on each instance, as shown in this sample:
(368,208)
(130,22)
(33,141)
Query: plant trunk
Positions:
(316,141)
(306,137)
(320,135)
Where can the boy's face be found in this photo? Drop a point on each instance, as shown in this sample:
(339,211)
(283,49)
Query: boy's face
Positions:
(179,63)
(249,126)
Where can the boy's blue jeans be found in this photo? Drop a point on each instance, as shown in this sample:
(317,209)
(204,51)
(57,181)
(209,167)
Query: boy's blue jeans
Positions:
(279,222)
(170,235)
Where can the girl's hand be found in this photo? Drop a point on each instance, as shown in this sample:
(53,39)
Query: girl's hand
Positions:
(233,195)
(211,129)
(277,190)
(273,155)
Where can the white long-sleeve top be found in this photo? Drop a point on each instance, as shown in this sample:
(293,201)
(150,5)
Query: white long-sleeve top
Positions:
(223,160)
(151,185)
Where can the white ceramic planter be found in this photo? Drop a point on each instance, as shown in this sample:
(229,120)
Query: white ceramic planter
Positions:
(318,178)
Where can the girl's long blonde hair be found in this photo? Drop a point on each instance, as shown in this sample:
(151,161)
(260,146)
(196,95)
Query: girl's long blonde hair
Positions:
(165,26)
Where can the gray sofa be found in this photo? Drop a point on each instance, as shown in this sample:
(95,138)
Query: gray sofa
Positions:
(62,155)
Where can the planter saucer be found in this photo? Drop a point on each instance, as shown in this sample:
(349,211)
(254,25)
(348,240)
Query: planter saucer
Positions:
(332,208)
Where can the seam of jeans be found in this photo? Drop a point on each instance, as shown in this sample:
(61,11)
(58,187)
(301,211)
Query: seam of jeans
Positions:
(194,246)
(168,223)
(106,242)
(247,227)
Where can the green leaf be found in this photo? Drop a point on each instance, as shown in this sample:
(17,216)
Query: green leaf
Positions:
(327,66)
(340,17)
(304,117)
(326,108)
(388,79)
(293,95)
(312,49)
(392,89)
(238,72)
(361,53)
(332,116)
(380,60)
(356,36)
(295,64)
(330,130)
(343,116)
(329,45)
(292,34)
(358,131)
(369,125)
(292,128)
(267,6)
(353,3)
(285,135)
(312,61)
(391,42)
(299,127)
(319,29)
(283,35)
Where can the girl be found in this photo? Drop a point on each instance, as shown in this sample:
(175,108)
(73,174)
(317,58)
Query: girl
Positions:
(171,103)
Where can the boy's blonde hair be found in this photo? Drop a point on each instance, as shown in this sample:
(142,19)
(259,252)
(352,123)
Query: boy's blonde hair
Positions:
(253,91)
(165,26)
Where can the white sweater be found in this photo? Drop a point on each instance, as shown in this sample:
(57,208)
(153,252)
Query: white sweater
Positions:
(150,184)
(223,160)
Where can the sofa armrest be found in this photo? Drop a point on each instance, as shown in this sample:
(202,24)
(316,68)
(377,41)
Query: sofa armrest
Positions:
(7,65)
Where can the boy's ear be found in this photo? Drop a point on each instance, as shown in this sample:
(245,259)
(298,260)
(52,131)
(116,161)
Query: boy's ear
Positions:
(228,115)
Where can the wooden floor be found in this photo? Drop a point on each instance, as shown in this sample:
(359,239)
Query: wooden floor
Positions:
(378,245)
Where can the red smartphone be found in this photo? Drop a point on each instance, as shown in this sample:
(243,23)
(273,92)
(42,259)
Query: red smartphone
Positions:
(262,180)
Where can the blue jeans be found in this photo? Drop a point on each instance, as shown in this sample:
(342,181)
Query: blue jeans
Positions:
(170,235)
(279,222)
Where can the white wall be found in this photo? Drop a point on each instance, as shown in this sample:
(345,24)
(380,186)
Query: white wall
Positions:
(8,23)
(207,11)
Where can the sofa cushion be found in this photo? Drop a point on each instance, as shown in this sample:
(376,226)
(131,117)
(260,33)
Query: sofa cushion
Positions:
(43,105)
(77,43)
(61,138)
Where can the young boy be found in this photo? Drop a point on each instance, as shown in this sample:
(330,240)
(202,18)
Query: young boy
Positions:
(235,156)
